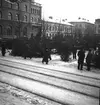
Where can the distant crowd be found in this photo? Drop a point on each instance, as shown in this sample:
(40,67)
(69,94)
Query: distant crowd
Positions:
(92,56)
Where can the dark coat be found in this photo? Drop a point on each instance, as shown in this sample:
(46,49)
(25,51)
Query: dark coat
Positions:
(89,57)
(74,50)
(81,56)
(3,49)
(46,56)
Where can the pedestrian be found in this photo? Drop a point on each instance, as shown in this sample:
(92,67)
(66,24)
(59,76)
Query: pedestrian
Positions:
(74,51)
(46,56)
(81,56)
(3,49)
(89,59)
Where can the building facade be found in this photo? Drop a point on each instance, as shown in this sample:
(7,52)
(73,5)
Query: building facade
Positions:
(19,19)
(97,26)
(53,28)
(83,28)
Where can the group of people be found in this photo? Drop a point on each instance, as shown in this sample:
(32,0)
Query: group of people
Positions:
(47,56)
(81,58)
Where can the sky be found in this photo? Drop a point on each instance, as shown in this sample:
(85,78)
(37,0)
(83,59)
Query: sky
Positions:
(71,9)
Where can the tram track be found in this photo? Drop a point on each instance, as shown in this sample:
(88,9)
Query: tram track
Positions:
(55,70)
(60,82)
(53,73)
(71,86)
(47,91)
(34,73)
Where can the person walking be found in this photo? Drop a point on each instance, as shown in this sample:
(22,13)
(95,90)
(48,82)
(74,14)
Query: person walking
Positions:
(3,49)
(46,56)
(81,56)
(74,50)
(89,59)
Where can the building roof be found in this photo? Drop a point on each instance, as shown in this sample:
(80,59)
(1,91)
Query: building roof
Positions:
(81,21)
(58,21)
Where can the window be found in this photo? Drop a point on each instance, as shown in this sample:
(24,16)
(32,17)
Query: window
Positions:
(0,30)
(17,17)
(39,12)
(10,5)
(9,30)
(35,20)
(32,19)
(49,28)
(98,31)
(26,8)
(17,6)
(9,16)
(0,14)
(99,26)
(25,18)
(0,2)
(31,10)
(25,31)
(34,11)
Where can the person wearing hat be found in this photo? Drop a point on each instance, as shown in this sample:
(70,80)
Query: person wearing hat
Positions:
(46,56)
(89,59)
(81,56)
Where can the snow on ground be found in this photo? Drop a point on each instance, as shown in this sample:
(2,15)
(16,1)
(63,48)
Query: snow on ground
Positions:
(54,63)
(12,96)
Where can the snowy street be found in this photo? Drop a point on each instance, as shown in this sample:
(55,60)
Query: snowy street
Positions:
(60,74)
(49,56)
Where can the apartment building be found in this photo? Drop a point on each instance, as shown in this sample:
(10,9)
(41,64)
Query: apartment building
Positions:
(19,19)
(83,27)
(97,26)
(53,28)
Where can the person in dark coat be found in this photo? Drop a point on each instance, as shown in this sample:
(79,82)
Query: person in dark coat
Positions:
(81,56)
(88,60)
(46,56)
(74,50)
(3,49)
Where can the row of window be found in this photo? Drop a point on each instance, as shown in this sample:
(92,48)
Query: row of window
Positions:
(57,28)
(33,19)
(17,17)
(16,5)
(35,11)
(9,30)
(11,5)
